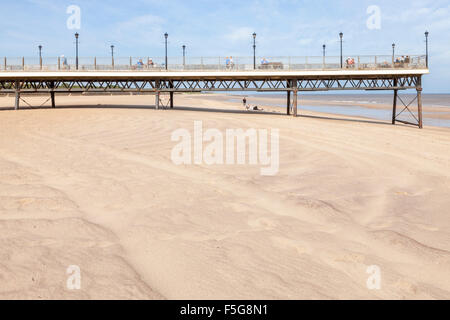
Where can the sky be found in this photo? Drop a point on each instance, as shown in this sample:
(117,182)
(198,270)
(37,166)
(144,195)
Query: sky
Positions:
(223,28)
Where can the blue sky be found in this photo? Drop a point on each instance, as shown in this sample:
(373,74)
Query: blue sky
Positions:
(220,28)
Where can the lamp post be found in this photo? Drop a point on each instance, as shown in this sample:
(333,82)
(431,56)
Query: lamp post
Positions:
(40,57)
(341,35)
(112,55)
(393,52)
(76,46)
(324,47)
(184,55)
(426,41)
(166,35)
(254,51)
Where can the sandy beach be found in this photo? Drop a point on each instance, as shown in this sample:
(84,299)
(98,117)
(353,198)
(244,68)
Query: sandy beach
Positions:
(92,184)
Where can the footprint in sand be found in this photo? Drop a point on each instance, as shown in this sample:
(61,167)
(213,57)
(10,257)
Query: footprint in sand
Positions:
(262,223)
(286,243)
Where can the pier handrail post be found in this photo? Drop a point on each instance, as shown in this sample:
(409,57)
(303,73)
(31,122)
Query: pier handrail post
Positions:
(23,63)
(95,63)
(59,63)
(5,63)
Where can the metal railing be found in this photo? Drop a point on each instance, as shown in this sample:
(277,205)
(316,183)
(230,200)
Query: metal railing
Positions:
(214,63)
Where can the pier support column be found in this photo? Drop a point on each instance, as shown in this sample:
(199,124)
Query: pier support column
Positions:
(419,102)
(52,94)
(288,109)
(17,101)
(295,103)
(394,108)
(295,100)
(157,93)
(171,95)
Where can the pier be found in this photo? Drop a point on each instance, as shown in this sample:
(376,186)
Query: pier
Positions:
(286,74)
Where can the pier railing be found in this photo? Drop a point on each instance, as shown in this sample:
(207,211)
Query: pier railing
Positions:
(213,63)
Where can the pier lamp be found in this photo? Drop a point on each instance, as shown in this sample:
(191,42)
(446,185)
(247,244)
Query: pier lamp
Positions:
(76,48)
(166,36)
(40,56)
(184,55)
(341,35)
(426,43)
(112,55)
(324,50)
(393,52)
(254,51)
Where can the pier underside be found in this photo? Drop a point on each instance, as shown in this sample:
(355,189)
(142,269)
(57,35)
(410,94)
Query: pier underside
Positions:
(169,83)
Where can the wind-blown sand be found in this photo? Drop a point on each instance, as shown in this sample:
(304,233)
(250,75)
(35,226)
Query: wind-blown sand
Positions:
(95,187)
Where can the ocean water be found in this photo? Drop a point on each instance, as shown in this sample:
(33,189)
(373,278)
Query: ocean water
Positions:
(335,104)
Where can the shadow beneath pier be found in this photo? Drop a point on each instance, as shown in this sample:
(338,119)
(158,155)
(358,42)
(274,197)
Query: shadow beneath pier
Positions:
(209,110)
(144,107)
(348,120)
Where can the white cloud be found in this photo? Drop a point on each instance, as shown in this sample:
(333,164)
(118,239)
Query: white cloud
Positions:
(240,34)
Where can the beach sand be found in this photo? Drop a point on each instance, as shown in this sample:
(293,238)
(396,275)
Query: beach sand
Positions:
(95,187)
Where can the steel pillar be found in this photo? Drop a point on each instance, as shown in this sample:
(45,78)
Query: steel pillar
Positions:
(394,109)
(295,100)
(17,101)
(288,106)
(419,102)
(157,93)
(171,95)
(52,94)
